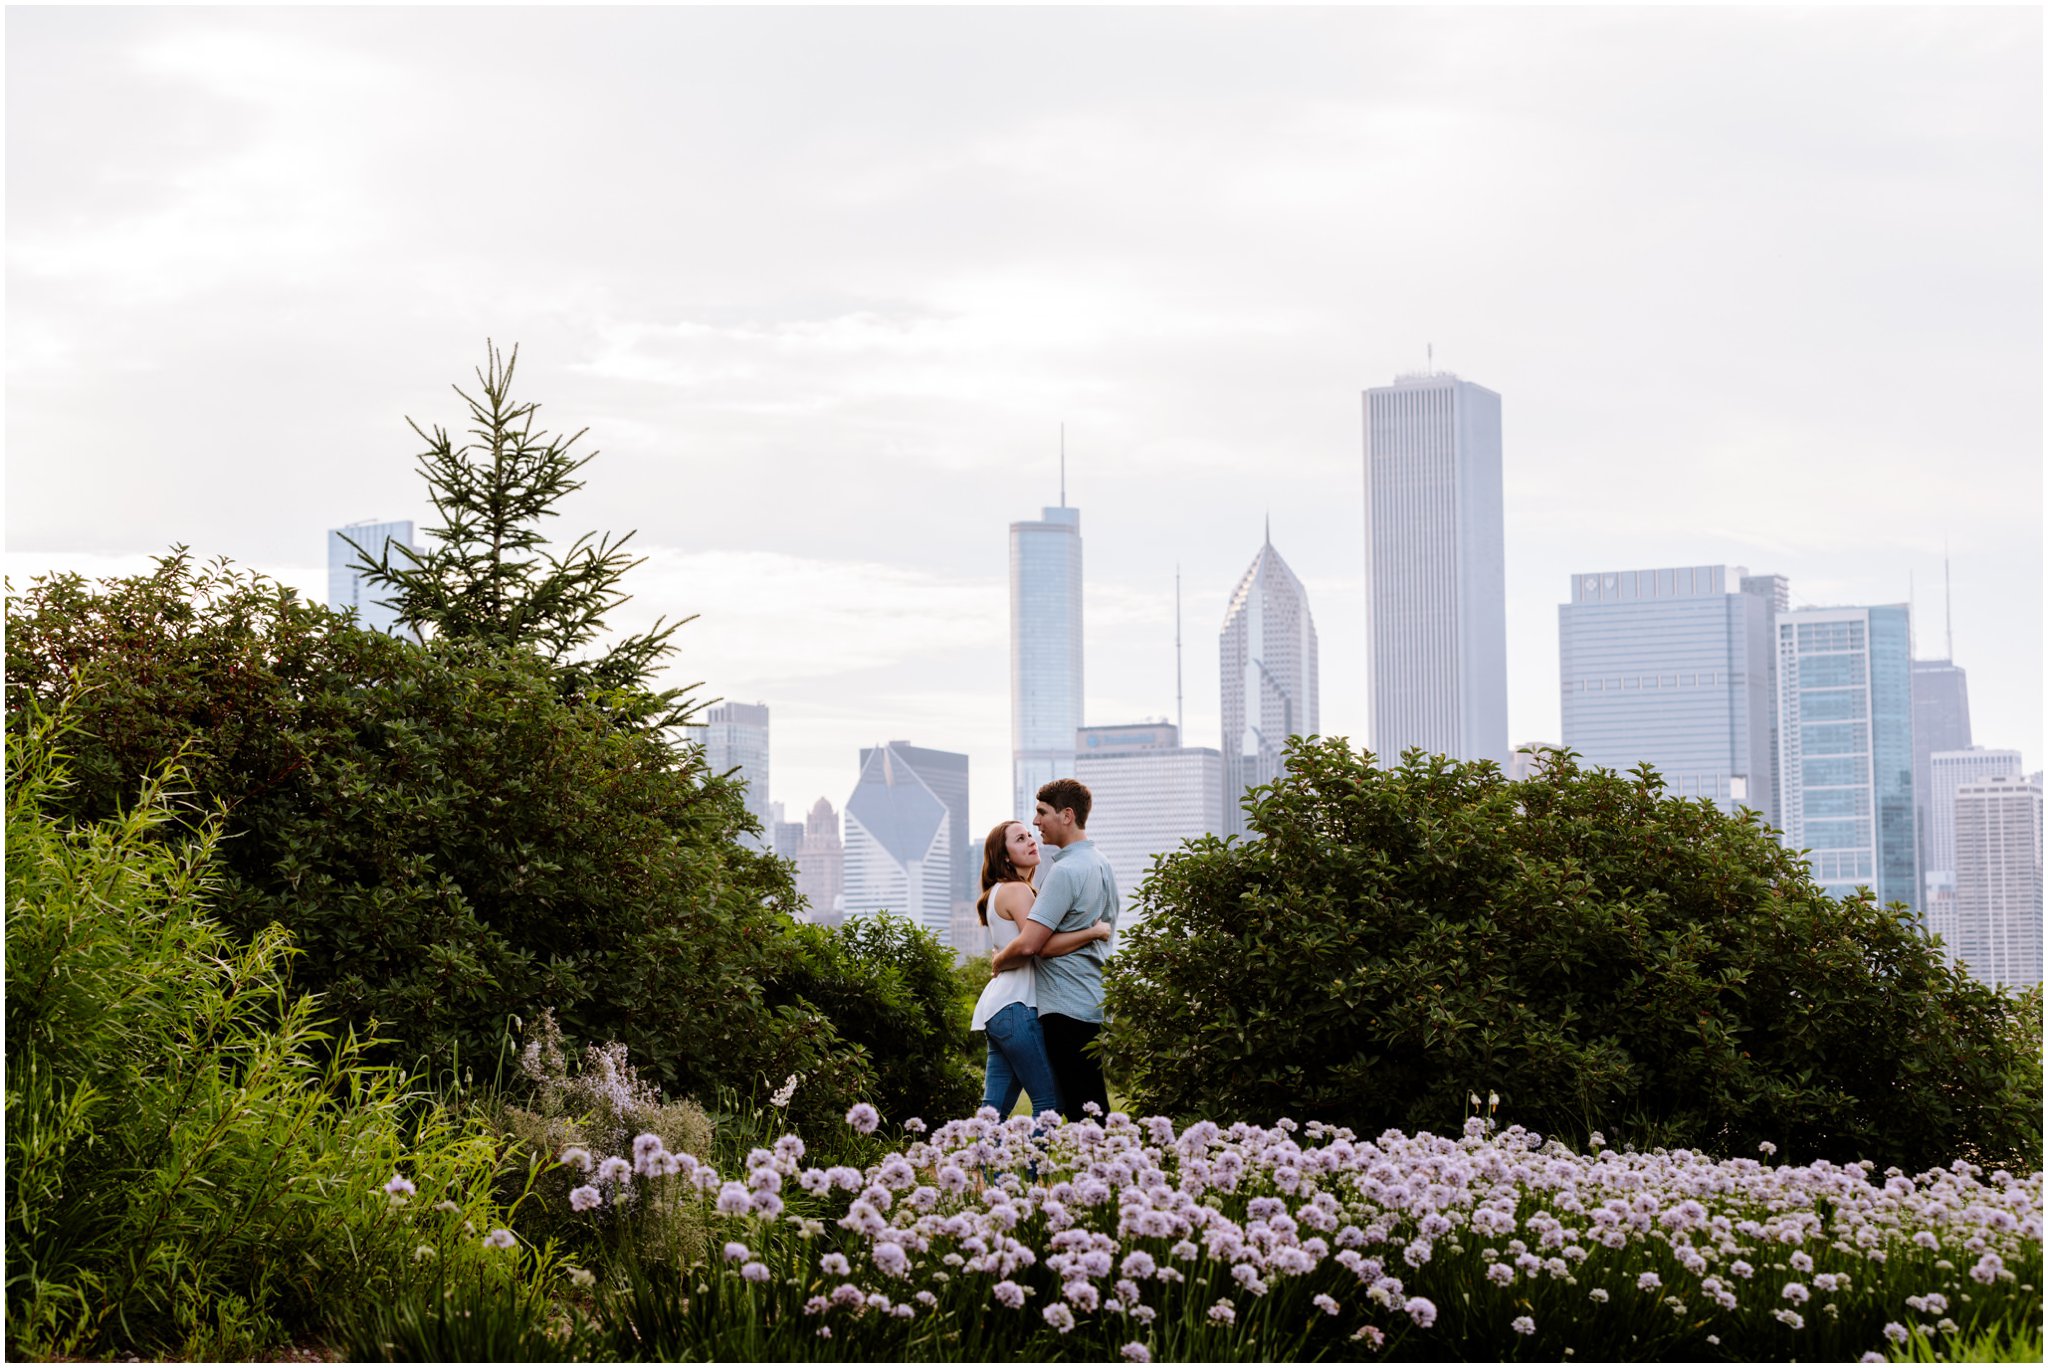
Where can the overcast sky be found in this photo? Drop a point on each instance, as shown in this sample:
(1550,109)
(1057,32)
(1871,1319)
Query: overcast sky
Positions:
(1756,286)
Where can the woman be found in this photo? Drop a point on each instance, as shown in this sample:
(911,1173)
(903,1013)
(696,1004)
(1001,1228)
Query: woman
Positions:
(1008,1008)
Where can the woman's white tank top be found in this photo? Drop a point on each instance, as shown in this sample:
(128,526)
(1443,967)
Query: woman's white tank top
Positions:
(1014,985)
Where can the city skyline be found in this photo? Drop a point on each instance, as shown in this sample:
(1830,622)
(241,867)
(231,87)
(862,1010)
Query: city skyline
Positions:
(1724,332)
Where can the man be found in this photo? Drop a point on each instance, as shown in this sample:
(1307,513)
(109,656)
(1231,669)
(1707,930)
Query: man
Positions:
(1075,893)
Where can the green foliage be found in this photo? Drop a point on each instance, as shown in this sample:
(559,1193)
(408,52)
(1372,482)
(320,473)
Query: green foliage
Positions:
(1602,955)
(496,1311)
(487,577)
(449,843)
(600,1107)
(193,1165)
(887,987)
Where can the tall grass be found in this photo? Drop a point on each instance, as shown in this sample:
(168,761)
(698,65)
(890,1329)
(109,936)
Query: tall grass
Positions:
(194,1166)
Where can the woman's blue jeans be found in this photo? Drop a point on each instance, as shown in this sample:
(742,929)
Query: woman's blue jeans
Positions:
(1018,1063)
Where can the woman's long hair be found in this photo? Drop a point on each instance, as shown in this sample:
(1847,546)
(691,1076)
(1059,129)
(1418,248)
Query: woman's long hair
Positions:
(996,866)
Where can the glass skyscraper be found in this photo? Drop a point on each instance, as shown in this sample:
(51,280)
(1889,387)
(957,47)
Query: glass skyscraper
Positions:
(346,588)
(1845,746)
(1270,688)
(1435,569)
(1941,722)
(903,849)
(1045,652)
(735,737)
(1674,667)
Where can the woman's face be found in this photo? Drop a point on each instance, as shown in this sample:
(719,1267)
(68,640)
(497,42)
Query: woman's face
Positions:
(1022,844)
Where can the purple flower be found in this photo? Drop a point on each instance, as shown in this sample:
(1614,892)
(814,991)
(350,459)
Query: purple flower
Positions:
(584,1198)
(1009,1294)
(1648,1282)
(500,1239)
(400,1188)
(1895,1332)
(578,1156)
(1059,1317)
(835,1264)
(754,1271)
(890,1258)
(1139,1264)
(735,1251)
(1326,1303)
(1987,1269)
(1223,1313)
(863,1118)
(1522,1325)
(1795,1293)
(1136,1352)
(1421,1310)
(734,1200)
(1499,1273)
(614,1170)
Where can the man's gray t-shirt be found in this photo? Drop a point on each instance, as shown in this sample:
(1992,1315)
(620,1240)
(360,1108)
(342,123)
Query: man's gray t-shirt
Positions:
(1079,891)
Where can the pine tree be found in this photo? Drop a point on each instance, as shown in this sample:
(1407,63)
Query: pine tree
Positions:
(489,577)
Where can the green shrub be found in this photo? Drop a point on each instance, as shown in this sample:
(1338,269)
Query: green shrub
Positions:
(193,1165)
(449,843)
(887,988)
(1600,954)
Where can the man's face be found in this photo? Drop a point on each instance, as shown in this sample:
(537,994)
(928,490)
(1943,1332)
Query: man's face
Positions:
(1054,825)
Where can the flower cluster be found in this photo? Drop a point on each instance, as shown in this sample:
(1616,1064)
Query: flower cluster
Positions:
(1109,1224)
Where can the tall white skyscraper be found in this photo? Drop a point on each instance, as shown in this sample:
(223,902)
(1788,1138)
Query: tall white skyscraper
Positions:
(1674,667)
(346,588)
(1045,652)
(1268,651)
(1845,748)
(1948,771)
(1998,880)
(902,855)
(1150,794)
(1435,569)
(735,736)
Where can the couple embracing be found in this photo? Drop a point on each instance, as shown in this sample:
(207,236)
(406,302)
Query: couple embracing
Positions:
(1051,917)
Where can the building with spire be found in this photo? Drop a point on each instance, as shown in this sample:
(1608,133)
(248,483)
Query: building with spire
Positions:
(1270,690)
(1435,570)
(1045,648)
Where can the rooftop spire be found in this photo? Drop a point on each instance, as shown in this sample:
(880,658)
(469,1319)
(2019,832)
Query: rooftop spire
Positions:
(1269,527)
(1063,465)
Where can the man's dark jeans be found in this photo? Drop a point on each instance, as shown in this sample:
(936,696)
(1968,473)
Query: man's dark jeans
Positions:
(1078,1075)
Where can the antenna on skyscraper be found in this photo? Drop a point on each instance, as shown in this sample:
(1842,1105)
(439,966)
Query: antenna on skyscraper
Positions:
(1912,620)
(1063,465)
(1948,604)
(1180,707)
(1430,349)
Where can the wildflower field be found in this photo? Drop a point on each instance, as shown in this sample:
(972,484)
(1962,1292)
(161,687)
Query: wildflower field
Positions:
(1112,1237)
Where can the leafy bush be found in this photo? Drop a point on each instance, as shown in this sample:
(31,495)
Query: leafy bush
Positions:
(887,988)
(449,843)
(1601,954)
(193,1165)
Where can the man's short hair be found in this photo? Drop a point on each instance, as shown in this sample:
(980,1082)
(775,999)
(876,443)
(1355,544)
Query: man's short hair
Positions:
(1068,793)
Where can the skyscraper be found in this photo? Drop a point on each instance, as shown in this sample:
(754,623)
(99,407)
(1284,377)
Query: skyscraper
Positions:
(821,865)
(1150,794)
(903,838)
(1845,747)
(1941,722)
(735,736)
(1268,650)
(1674,667)
(346,588)
(1045,651)
(1948,771)
(1998,879)
(1435,569)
